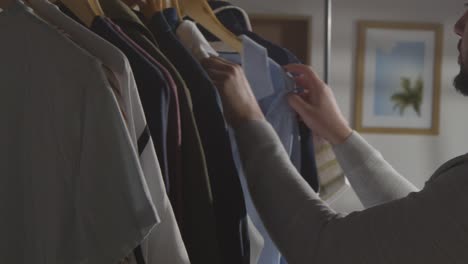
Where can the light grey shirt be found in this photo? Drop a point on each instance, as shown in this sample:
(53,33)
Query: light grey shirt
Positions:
(430,226)
(374,180)
(164,244)
(70,177)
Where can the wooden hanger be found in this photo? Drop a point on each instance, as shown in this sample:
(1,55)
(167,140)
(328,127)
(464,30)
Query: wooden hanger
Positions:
(166,4)
(156,5)
(200,11)
(151,7)
(96,7)
(85,10)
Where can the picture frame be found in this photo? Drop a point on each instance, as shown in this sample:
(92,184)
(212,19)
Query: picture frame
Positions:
(398,77)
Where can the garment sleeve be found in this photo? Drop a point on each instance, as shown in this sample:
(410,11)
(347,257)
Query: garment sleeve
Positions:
(307,231)
(113,198)
(374,179)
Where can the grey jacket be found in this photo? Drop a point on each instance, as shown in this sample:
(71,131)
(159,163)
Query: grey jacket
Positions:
(430,226)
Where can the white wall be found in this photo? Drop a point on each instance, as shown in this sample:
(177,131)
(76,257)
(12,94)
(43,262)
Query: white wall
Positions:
(416,157)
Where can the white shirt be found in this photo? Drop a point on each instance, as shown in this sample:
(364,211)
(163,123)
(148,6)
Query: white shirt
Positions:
(164,244)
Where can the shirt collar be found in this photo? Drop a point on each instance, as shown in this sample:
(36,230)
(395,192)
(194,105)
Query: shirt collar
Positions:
(256,65)
(222,47)
(194,40)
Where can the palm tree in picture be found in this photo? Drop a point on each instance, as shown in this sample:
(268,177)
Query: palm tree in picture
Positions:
(411,96)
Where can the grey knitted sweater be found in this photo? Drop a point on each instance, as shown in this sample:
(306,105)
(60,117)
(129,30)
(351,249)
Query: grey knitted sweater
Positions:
(400,224)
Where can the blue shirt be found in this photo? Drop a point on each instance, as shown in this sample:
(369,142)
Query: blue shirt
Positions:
(270,84)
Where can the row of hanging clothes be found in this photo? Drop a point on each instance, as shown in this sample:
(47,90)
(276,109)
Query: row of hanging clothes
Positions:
(114,147)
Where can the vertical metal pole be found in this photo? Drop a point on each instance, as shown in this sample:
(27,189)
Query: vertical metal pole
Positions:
(328,39)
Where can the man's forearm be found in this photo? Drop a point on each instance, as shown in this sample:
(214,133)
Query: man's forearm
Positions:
(374,179)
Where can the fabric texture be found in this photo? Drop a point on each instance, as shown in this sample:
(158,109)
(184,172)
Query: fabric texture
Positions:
(152,86)
(190,191)
(124,16)
(423,227)
(228,199)
(69,158)
(164,244)
(142,39)
(121,77)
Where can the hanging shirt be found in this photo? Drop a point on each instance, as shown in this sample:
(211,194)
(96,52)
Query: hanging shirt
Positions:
(152,86)
(137,34)
(140,38)
(173,133)
(269,82)
(115,60)
(270,85)
(228,199)
(165,243)
(72,177)
(237,21)
(121,77)
(190,192)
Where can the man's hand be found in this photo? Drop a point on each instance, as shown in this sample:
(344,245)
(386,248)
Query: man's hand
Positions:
(317,105)
(239,102)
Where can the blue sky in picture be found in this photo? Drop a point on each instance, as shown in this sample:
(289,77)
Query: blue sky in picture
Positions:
(394,61)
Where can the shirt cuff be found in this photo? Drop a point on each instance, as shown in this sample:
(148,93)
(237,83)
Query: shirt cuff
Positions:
(355,153)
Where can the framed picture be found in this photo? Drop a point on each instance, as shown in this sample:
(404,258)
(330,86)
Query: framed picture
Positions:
(398,78)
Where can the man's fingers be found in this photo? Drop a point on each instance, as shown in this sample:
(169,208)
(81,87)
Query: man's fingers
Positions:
(217,76)
(305,71)
(299,105)
(211,63)
(310,89)
(221,60)
(217,63)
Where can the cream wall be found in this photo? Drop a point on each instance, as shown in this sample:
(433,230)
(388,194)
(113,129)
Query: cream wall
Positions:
(416,157)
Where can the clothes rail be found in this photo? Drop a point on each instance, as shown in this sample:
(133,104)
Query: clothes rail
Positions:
(327,40)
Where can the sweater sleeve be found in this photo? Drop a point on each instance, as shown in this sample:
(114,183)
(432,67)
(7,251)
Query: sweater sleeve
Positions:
(307,231)
(374,180)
